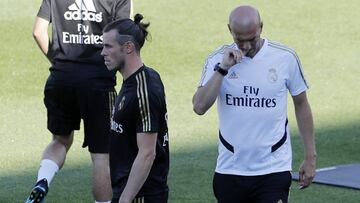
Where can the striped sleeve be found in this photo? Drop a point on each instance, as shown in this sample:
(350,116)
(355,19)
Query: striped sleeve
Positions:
(149,105)
(296,82)
(207,72)
(211,61)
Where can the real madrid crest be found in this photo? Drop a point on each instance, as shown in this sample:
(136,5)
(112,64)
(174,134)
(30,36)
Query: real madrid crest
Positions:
(121,104)
(272,75)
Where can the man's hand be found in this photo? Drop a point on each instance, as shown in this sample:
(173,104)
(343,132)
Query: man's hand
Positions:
(230,58)
(306,173)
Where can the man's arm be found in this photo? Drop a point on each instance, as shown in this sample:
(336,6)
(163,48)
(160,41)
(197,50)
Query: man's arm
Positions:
(205,96)
(306,127)
(141,167)
(41,36)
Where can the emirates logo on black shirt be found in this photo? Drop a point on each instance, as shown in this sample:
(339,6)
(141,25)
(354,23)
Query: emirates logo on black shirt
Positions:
(82,11)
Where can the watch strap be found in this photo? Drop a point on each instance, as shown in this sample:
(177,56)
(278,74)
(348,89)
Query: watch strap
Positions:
(222,71)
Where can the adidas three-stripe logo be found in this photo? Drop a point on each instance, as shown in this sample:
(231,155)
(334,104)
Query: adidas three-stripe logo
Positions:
(83,10)
(143,98)
(83,5)
(233,75)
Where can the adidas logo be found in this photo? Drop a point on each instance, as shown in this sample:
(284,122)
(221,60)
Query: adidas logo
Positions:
(83,10)
(233,75)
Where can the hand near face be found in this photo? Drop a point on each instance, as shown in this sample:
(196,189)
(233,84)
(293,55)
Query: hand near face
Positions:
(231,57)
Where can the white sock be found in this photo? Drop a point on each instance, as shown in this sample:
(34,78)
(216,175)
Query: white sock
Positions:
(102,202)
(48,170)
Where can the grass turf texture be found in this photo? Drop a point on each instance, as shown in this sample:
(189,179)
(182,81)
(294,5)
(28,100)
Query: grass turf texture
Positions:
(183,33)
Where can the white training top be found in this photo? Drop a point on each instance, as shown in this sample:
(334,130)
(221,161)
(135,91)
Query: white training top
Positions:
(254,137)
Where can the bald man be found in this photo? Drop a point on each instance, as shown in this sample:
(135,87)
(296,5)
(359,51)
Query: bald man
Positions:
(250,79)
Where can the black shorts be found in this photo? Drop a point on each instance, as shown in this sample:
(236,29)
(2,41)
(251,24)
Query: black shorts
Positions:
(67,105)
(161,198)
(270,188)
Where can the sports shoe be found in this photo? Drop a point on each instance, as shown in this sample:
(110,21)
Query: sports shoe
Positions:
(38,192)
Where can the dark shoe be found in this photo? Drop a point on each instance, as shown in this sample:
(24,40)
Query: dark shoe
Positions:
(38,192)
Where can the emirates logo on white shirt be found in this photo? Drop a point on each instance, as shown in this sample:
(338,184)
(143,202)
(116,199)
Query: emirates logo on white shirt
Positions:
(83,10)
(251,97)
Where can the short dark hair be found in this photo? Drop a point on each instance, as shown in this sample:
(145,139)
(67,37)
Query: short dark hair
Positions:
(135,30)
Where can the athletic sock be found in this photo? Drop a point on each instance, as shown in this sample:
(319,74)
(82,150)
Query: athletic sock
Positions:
(48,170)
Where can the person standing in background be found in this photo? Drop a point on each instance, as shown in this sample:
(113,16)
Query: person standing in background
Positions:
(79,86)
(139,149)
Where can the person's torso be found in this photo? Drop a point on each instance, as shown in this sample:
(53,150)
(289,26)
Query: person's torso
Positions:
(132,101)
(77,29)
(76,42)
(252,109)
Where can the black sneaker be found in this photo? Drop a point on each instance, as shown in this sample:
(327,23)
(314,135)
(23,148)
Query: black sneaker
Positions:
(38,192)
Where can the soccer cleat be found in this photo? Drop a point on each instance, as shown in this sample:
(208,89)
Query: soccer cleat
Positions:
(38,192)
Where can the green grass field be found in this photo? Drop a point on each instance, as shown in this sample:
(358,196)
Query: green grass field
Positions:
(325,34)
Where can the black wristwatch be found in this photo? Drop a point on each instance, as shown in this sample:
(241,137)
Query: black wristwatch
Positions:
(222,71)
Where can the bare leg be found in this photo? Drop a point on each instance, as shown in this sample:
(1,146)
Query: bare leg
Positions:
(52,160)
(101,184)
(57,149)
